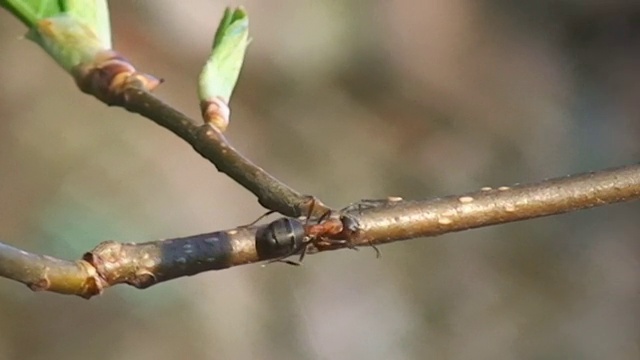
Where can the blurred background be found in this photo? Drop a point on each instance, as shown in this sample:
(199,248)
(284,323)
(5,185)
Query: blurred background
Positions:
(344,100)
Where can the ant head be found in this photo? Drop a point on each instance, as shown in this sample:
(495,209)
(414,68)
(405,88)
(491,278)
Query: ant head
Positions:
(349,223)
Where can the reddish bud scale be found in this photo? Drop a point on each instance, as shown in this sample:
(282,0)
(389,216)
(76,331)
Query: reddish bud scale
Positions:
(216,112)
(109,75)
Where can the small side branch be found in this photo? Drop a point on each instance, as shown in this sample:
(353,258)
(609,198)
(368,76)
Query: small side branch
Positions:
(78,38)
(114,81)
(212,145)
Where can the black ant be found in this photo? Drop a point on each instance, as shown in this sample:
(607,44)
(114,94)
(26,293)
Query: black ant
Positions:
(290,236)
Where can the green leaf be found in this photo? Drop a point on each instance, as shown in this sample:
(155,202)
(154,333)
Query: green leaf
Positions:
(94,13)
(31,11)
(220,73)
(69,41)
(73,32)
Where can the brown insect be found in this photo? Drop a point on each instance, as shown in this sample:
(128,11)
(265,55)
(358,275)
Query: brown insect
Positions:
(288,236)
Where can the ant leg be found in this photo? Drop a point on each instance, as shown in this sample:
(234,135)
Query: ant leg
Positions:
(364,204)
(261,217)
(324,216)
(378,253)
(303,251)
(284,261)
(291,262)
(312,200)
(312,205)
(338,242)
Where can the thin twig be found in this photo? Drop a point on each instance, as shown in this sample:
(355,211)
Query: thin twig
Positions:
(212,145)
(113,80)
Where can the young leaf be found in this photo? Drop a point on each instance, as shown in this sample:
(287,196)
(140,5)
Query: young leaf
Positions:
(68,41)
(220,73)
(94,13)
(31,11)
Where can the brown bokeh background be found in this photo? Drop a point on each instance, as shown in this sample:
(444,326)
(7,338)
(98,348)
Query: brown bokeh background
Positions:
(344,100)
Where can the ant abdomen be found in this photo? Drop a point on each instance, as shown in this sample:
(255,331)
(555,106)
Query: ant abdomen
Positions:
(281,238)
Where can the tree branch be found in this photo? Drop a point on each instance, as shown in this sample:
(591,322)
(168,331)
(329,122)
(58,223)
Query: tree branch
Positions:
(140,265)
(361,224)
(389,221)
(41,272)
